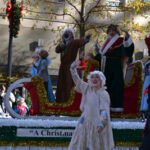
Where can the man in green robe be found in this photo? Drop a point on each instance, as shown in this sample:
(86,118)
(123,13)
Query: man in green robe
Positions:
(112,54)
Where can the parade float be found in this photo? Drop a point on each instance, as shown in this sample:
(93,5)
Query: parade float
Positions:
(51,124)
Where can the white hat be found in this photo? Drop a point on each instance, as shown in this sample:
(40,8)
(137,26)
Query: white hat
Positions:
(70,30)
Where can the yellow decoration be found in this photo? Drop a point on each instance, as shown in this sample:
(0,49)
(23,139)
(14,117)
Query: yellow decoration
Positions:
(57,144)
(9,79)
(127,144)
(34,143)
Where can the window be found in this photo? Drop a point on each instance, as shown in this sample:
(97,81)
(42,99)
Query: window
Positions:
(146,0)
(115,3)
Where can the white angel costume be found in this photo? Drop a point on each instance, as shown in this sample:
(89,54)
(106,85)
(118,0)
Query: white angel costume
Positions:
(95,107)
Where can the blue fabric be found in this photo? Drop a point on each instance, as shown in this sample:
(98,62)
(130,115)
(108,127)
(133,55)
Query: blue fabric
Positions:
(87,148)
(82,120)
(146,68)
(144,104)
(50,94)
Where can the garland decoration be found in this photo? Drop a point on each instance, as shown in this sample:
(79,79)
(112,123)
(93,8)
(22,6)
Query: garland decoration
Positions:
(16,11)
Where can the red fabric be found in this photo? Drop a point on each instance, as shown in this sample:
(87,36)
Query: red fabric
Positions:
(74,107)
(118,42)
(34,97)
(146,91)
(131,98)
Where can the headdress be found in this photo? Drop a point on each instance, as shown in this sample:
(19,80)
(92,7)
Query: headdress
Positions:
(19,98)
(70,30)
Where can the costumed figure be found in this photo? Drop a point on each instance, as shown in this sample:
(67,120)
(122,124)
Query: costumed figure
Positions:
(36,62)
(93,131)
(35,58)
(144,104)
(146,135)
(112,55)
(68,48)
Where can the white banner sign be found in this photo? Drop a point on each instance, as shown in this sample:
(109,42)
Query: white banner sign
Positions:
(21,132)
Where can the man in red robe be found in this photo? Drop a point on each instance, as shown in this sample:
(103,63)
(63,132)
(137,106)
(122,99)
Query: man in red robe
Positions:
(112,53)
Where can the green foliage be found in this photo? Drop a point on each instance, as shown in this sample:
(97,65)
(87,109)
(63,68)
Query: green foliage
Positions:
(88,15)
(16,20)
(28,100)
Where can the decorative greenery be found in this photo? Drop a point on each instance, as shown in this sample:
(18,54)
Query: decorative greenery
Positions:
(14,15)
(16,20)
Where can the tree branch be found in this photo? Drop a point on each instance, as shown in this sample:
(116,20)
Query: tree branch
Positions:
(46,13)
(52,13)
(88,14)
(78,23)
(94,27)
(73,6)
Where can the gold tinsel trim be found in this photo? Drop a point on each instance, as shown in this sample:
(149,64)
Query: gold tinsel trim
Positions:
(57,144)
(33,143)
(128,144)
(9,79)
(137,69)
(137,72)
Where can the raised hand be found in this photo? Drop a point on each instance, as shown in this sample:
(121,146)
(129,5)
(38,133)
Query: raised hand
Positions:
(126,33)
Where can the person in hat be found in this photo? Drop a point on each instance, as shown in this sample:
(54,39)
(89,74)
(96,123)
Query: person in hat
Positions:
(20,107)
(41,67)
(35,62)
(113,52)
(93,131)
(68,48)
